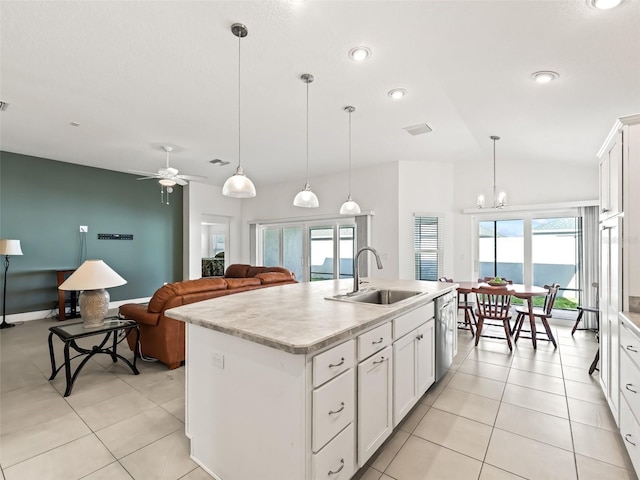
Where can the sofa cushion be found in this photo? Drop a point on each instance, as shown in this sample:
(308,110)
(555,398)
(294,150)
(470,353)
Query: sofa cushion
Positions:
(237,270)
(161,296)
(254,270)
(274,277)
(287,272)
(242,282)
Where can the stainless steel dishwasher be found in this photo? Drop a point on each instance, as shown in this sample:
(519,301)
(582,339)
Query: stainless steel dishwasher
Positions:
(446,328)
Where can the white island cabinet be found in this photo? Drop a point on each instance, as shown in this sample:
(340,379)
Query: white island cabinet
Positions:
(283,384)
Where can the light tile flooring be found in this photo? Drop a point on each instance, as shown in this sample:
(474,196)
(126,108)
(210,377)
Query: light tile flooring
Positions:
(530,414)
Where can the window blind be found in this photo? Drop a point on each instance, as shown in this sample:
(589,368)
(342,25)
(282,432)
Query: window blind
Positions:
(427,240)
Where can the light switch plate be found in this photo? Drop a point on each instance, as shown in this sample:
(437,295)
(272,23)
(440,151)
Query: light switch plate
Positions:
(84,228)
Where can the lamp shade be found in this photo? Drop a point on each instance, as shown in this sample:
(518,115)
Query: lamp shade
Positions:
(306,198)
(239,186)
(10,247)
(350,207)
(92,275)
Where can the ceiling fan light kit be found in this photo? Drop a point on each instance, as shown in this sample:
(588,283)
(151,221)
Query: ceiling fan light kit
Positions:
(239,185)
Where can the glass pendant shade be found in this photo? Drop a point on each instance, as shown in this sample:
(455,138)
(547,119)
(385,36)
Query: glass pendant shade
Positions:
(349,207)
(239,186)
(306,198)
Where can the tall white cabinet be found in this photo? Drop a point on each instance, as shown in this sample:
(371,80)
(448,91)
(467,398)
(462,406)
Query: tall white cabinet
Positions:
(619,251)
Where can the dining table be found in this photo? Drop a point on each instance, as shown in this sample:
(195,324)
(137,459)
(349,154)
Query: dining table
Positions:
(525,292)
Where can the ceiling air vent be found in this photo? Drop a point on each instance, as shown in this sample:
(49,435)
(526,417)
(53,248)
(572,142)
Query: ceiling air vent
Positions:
(418,129)
(218,163)
(3,106)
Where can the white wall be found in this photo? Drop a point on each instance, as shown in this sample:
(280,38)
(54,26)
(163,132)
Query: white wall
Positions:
(424,188)
(525,185)
(394,192)
(201,203)
(374,189)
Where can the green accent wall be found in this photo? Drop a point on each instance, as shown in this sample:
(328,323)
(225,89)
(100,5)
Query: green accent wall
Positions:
(43,203)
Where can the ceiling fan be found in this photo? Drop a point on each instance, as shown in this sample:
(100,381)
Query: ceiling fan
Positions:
(168,176)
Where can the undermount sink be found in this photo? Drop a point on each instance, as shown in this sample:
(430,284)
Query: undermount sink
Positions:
(377,297)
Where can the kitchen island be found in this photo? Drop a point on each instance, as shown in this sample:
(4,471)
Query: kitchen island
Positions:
(284,384)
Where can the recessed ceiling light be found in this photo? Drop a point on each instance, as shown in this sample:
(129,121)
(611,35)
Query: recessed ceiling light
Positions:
(544,76)
(604,4)
(397,93)
(360,53)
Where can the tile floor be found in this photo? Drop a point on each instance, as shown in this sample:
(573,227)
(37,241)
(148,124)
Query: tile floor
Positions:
(530,414)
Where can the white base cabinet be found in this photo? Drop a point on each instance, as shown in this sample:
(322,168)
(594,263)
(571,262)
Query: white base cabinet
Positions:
(258,412)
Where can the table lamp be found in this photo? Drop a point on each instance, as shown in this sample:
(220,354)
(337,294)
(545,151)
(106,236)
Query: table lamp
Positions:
(91,279)
(7,247)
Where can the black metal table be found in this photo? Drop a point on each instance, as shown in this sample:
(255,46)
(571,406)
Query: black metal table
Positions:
(73,331)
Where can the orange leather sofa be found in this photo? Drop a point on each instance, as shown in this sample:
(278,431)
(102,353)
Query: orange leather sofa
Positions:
(162,337)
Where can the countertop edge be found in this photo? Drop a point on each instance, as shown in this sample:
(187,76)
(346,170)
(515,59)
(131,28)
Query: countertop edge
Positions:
(631,319)
(386,314)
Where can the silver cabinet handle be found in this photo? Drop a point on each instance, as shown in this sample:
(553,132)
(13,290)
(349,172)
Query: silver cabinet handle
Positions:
(630,389)
(331,365)
(631,349)
(379,361)
(331,472)
(420,337)
(605,210)
(333,412)
(379,341)
(626,437)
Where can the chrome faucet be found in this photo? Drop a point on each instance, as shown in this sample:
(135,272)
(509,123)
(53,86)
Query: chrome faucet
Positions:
(356,268)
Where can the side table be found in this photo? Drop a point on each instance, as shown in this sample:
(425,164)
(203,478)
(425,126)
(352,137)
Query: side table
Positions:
(73,331)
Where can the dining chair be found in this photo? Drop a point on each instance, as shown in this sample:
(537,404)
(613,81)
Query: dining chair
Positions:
(543,314)
(493,309)
(595,310)
(467,306)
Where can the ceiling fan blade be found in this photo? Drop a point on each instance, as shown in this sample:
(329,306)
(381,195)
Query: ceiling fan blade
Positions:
(148,178)
(190,177)
(140,172)
(179,181)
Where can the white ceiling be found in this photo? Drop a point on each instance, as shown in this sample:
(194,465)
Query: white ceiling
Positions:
(139,75)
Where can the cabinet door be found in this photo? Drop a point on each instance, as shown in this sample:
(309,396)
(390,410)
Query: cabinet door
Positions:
(426,372)
(605,337)
(405,391)
(611,178)
(375,394)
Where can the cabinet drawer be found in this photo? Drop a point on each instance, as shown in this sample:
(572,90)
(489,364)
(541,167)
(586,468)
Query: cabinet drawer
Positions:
(336,461)
(333,408)
(412,320)
(333,362)
(630,382)
(373,341)
(630,344)
(630,432)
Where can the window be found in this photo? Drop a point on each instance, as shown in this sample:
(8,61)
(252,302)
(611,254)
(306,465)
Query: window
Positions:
(428,247)
(537,250)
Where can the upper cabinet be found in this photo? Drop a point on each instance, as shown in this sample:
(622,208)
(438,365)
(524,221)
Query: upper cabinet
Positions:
(611,175)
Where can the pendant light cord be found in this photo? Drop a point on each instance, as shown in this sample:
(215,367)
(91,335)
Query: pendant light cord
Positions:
(495,200)
(307,180)
(350,111)
(239,123)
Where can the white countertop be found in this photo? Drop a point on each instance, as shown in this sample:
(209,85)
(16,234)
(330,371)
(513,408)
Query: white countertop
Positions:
(297,318)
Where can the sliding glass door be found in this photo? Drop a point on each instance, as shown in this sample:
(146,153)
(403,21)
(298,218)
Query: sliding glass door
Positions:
(501,249)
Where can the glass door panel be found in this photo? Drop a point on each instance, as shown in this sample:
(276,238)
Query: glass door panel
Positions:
(271,247)
(555,257)
(347,251)
(510,250)
(322,253)
(292,251)
(487,249)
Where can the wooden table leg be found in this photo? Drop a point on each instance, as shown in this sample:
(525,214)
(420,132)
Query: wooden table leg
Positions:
(532,320)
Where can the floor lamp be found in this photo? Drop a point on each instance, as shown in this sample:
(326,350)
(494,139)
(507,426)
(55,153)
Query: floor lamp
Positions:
(7,247)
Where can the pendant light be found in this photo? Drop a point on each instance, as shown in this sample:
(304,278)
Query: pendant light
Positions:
(499,199)
(239,185)
(306,198)
(349,207)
